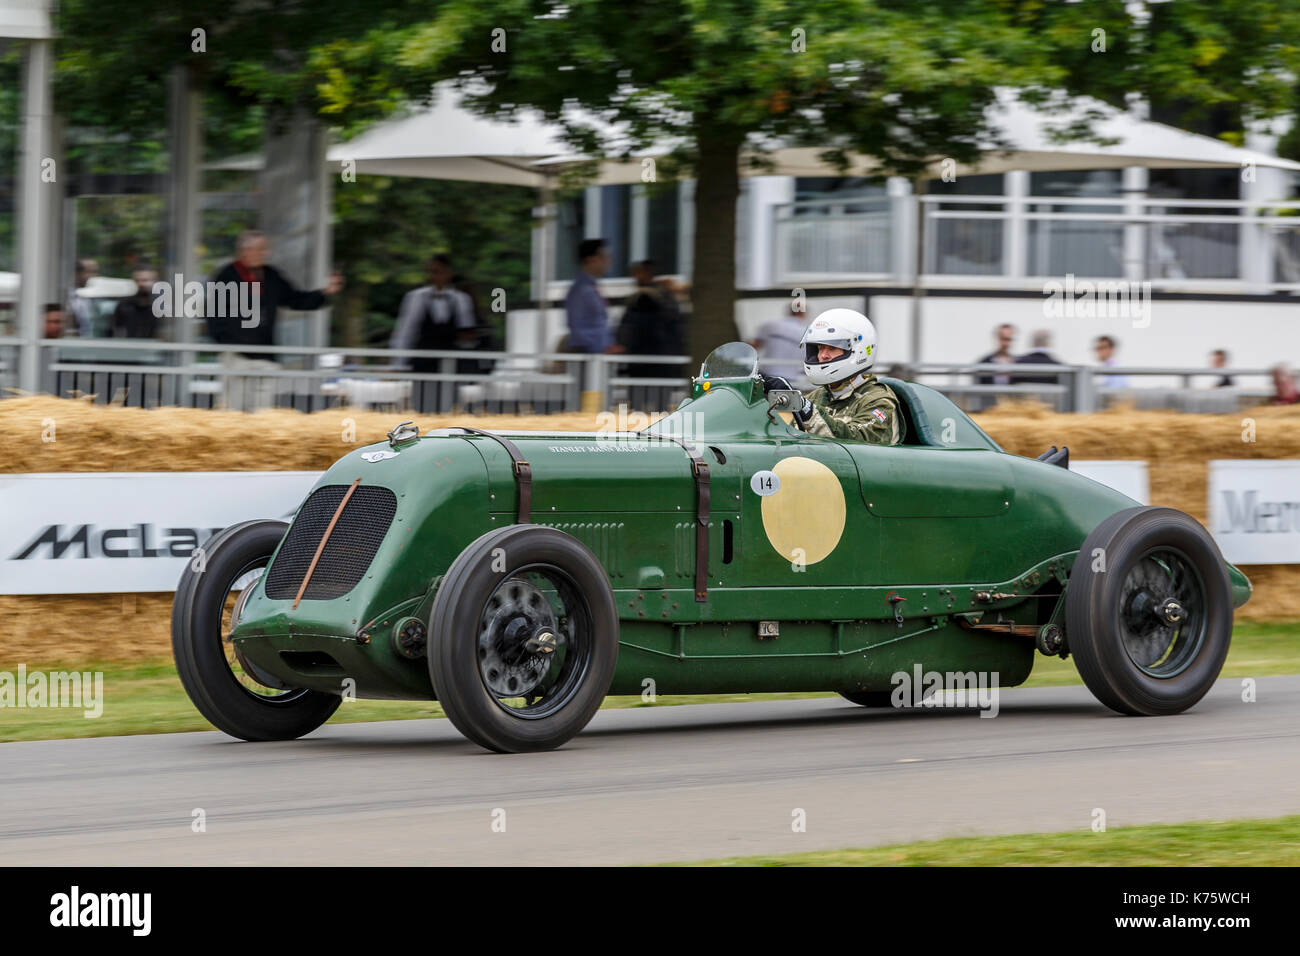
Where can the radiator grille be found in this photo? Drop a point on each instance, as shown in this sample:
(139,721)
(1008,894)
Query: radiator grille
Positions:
(350,549)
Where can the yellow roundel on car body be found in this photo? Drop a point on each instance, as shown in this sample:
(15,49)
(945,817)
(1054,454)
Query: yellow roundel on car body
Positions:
(804,518)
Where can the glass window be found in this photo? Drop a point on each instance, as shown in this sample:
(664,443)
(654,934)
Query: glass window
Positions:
(662,207)
(615,226)
(570,229)
(969,244)
(1089,183)
(1087,247)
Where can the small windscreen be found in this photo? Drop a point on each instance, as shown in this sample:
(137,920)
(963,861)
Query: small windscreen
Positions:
(733,360)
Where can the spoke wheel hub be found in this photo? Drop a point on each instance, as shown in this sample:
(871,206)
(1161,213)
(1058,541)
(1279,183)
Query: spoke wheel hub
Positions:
(517,637)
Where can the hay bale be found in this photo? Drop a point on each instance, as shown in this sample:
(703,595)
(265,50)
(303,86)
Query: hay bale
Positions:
(87,437)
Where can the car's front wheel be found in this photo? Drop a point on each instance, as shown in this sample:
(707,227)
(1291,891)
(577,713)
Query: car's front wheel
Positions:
(233,694)
(1149,611)
(523,638)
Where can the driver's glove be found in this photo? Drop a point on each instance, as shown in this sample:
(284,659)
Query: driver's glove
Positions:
(802,413)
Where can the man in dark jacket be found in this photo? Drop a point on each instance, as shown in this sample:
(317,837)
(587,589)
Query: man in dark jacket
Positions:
(242,302)
(651,323)
(1041,342)
(261,286)
(134,316)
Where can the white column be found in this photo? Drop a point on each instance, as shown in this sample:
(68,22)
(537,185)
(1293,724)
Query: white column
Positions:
(1256,251)
(323,236)
(34,227)
(686,229)
(1015,228)
(638,236)
(522,336)
(902,219)
(591,214)
(184,216)
(1136,179)
(759,242)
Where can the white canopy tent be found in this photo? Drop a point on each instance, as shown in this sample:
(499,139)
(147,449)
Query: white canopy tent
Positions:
(1028,144)
(447,141)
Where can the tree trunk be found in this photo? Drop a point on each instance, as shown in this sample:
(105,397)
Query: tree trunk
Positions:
(713,278)
(355,297)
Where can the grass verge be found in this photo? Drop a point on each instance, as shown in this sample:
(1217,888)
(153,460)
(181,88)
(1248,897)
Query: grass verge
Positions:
(1274,842)
(147,698)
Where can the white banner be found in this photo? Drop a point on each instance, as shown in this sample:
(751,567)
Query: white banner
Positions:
(1126,477)
(98,532)
(1255,511)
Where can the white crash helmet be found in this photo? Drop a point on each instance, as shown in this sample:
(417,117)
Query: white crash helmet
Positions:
(845,329)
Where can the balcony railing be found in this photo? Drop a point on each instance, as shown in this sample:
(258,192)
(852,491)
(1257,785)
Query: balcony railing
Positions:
(1024,241)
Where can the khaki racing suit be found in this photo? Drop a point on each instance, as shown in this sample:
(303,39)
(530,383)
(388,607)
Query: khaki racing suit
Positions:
(862,409)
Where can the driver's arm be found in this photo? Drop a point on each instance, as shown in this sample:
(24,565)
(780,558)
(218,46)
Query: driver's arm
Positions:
(873,420)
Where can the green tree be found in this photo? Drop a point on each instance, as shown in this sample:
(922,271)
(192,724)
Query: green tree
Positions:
(256,65)
(901,82)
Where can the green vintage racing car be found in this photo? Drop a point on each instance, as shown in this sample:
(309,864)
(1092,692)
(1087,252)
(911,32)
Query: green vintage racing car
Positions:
(520,578)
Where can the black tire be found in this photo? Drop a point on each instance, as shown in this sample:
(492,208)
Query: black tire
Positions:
(485,611)
(198,644)
(1137,653)
(868,698)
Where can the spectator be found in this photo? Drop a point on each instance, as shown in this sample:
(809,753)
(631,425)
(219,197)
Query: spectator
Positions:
(437,317)
(778,346)
(260,286)
(1219,359)
(584,306)
(1005,336)
(1106,347)
(55,324)
(134,316)
(651,323)
(485,335)
(1041,342)
(82,308)
(270,291)
(1284,386)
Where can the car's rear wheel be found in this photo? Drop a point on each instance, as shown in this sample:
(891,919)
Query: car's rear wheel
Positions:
(523,638)
(233,694)
(1149,611)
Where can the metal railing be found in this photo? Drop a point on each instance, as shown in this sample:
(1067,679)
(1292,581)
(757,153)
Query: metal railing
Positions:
(1186,243)
(1087,388)
(157,374)
(153,374)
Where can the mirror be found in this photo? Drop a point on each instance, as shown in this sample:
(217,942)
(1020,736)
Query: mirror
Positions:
(784,399)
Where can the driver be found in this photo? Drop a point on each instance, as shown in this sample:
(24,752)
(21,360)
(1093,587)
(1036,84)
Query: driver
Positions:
(839,351)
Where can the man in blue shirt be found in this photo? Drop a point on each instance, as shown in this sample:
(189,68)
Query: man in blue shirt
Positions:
(584,306)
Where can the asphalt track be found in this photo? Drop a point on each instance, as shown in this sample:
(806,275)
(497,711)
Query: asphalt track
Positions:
(651,784)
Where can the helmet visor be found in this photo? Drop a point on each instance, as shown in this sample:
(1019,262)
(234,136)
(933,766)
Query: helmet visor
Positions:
(811,350)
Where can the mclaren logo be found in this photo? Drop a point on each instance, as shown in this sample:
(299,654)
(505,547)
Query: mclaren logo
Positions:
(133,541)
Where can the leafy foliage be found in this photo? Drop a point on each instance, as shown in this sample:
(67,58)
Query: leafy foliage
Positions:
(904,83)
